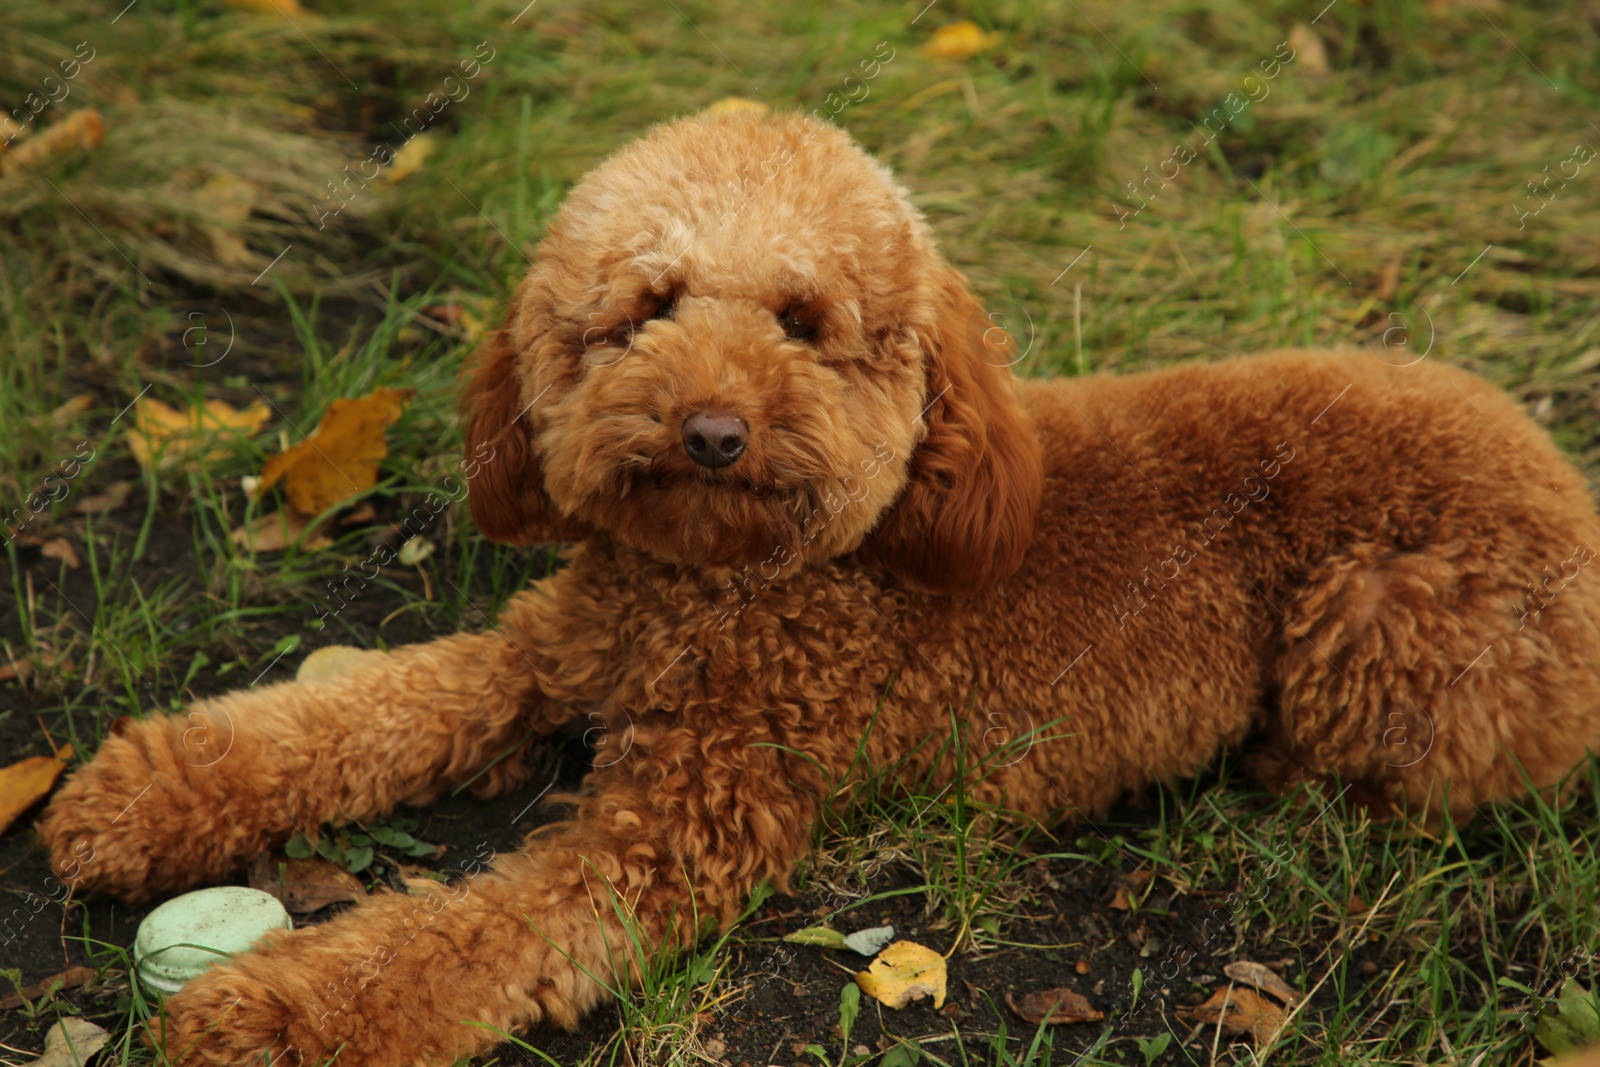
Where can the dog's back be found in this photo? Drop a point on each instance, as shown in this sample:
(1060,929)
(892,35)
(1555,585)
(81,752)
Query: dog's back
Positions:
(1384,568)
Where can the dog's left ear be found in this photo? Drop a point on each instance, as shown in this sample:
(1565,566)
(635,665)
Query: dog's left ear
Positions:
(967,513)
(505,481)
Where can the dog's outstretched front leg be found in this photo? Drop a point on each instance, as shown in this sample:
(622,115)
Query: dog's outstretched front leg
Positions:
(660,850)
(178,800)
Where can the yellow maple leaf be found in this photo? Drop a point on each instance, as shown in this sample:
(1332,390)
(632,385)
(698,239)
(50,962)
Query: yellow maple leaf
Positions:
(903,972)
(163,437)
(959,40)
(340,458)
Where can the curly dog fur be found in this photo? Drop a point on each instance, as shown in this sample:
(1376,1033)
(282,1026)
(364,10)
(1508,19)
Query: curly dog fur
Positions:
(1107,579)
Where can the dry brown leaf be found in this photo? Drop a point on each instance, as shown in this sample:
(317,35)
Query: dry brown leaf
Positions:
(445,314)
(1263,978)
(340,458)
(162,436)
(358,515)
(223,203)
(1054,1006)
(65,411)
(1240,1011)
(277,531)
(70,1043)
(959,40)
(903,972)
(464,312)
(23,670)
(113,497)
(26,782)
(1309,54)
(304,885)
(81,129)
(71,978)
(60,548)
(1128,887)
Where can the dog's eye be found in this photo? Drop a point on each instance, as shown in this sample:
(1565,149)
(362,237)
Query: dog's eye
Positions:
(619,332)
(798,324)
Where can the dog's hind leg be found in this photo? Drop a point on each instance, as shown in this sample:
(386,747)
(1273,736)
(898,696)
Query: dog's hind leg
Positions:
(1416,679)
(173,801)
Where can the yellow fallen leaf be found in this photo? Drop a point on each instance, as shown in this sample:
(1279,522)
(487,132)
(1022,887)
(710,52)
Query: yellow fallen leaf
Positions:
(81,129)
(340,458)
(1310,56)
(24,783)
(267,7)
(279,530)
(733,105)
(331,660)
(409,159)
(959,40)
(162,436)
(903,972)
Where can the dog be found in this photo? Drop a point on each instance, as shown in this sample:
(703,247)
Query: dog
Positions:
(819,528)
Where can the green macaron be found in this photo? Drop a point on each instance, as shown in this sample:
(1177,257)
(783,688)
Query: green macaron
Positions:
(187,934)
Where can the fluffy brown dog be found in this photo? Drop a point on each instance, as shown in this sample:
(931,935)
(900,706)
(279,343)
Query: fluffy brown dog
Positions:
(812,506)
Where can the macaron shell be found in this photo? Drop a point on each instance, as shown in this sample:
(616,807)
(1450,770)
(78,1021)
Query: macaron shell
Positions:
(187,934)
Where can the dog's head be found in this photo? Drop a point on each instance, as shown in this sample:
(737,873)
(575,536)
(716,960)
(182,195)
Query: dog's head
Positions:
(739,346)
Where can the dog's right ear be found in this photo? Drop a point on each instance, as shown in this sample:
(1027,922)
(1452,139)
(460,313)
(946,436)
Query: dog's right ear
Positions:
(505,486)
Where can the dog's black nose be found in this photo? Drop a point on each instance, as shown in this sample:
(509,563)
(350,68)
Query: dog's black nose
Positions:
(715,438)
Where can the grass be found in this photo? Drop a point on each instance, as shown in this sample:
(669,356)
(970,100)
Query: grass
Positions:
(1397,196)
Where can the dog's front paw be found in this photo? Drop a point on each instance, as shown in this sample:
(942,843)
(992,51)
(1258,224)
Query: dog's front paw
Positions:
(378,986)
(138,818)
(228,1016)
